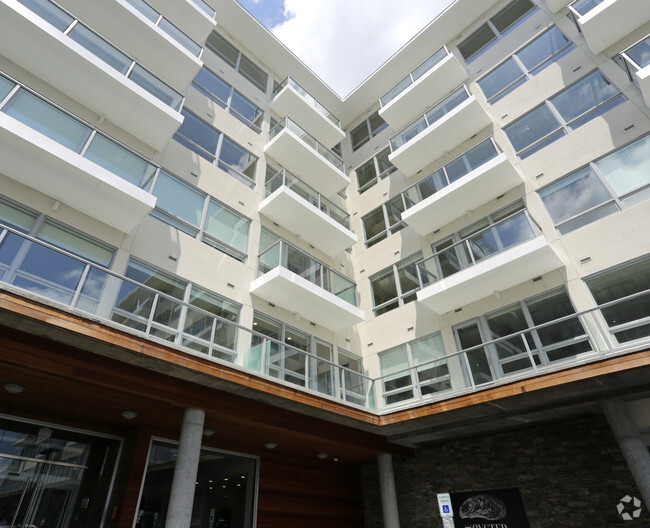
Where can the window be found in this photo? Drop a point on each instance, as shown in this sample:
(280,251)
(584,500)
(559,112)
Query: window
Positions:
(413,370)
(168,317)
(201,216)
(43,270)
(214,146)
(237,60)
(524,64)
(395,286)
(354,385)
(362,133)
(495,28)
(635,58)
(383,221)
(556,342)
(628,320)
(228,98)
(374,170)
(576,105)
(603,187)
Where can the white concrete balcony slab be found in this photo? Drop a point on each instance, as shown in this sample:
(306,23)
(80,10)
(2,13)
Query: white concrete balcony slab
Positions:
(302,211)
(609,21)
(491,179)
(643,80)
(45,51)
(429,137)
(442,78)
(294,280)
(290,99)
(303,155)
(121,23)
(496,273)
(188,17)
(41,163)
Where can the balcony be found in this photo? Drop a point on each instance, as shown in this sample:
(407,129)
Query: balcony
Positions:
(465,183)
(450,122)
(86,67)
(431,80)
(193,17)
(635,60)
(605,22)
(51,151)
(556,5)
(295,281)
(302,154)
(291,99)
(297,207)
(143,33)
(494,259)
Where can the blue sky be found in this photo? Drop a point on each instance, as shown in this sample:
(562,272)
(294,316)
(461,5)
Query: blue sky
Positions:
(344,41)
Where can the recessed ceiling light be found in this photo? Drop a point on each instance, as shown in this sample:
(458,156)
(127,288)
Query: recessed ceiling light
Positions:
(129,415)
(270,445)
(13,388)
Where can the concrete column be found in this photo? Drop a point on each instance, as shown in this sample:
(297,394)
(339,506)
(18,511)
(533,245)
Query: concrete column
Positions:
(631,443)
(181,498)
(387,489)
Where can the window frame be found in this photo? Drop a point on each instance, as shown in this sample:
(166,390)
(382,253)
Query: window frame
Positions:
(389,229)
(371,132)
(237,63)
(402,297)
(378,175)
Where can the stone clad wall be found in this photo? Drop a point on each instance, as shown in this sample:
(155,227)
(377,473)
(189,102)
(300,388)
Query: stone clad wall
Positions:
(570,474)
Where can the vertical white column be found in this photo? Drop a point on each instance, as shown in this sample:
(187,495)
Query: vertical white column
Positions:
(387,489)
(181,498)
(631,443)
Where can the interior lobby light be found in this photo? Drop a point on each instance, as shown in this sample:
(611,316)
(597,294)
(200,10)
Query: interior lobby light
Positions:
(13,388)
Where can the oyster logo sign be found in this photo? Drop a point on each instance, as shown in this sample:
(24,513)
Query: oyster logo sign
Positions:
(629,508)
(483,506)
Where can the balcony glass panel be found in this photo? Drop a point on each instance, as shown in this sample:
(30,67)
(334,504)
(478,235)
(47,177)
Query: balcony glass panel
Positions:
(49,12)
(452,171)
(414,76)
(125,164)
(583,7)
(100,48)
(308,98)
(308,139)
(286,178)
(422,123)
(283,254)
(204,7)
(496,238)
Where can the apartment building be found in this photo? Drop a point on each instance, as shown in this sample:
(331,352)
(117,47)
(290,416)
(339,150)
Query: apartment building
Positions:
(231,298)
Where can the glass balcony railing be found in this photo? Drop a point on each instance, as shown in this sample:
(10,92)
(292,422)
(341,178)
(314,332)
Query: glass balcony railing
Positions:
(45,271)
(166,26)
(429,119)
(290,257)
(49,119)
(308,139)
(48,272)
(286,178)
(308,98)
(635,58)
(582,7)
(496,238)
(105,51)
(203,6)
(412,77)
(451,172)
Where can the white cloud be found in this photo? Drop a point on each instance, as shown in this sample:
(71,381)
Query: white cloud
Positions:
(344,41)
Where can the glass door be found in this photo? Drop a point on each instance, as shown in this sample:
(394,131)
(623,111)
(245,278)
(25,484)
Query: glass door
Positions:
(468,335)
(321,374)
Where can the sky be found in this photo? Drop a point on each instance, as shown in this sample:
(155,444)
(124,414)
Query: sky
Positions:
(344,41)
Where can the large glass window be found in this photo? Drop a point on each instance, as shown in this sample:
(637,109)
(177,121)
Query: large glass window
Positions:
(370,127)
(383,221)
(396,285)
(224,495)
(605,186)
(574,106)
(228,98)
(201,216)
(216,147)
(627,320)
(236,59)
(413,370)
(560,341)
(374,170)
(495,28)
(524,64)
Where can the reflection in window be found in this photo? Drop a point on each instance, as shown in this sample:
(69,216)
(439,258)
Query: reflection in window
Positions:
(396,285)
(524,64)
(627,320)
(605,186)
(374,170)
(370,127)
(237,60)
(383,221)
(574,106)
(495,28)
